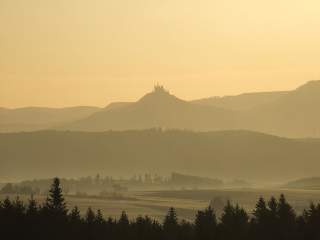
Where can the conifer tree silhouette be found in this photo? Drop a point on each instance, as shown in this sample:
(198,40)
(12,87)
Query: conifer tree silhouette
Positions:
(310,221)
(75,215)
(205,224)
(170,224)
(286,219)
(274,220)
(234,223)
(55,202)
(261,220)
(32,209)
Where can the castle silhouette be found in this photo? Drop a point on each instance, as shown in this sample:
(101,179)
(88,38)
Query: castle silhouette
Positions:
(160,89)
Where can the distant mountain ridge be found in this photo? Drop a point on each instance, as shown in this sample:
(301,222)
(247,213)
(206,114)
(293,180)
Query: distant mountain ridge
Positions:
(296,114)
(293,114)
(290,114)
(245,101)
(156,109)
(38,118)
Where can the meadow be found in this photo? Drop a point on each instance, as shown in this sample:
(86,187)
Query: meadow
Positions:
(186,202)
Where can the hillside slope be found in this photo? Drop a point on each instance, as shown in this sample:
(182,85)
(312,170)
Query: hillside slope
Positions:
(296,114)
(37,118)
(223,154)
(289,114)
(304,183)
(241,102)
(157,109)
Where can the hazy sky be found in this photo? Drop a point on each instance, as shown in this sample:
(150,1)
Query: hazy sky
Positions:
(91,52)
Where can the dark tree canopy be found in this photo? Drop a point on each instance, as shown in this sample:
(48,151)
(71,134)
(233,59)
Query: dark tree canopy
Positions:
(55,201)
(274,219)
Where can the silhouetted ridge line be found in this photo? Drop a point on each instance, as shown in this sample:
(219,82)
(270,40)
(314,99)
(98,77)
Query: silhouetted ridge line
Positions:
(291,114)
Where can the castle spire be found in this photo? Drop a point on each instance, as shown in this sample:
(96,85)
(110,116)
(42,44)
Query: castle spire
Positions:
(159,88)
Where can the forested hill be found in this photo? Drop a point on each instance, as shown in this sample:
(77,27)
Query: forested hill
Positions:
(304,183)
(223,154)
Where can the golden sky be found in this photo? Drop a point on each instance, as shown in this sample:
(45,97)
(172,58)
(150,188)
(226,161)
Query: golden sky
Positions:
(91,52)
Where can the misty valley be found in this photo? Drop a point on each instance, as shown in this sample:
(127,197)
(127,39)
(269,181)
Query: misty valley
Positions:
(159,120)
(152,195)
(234,167)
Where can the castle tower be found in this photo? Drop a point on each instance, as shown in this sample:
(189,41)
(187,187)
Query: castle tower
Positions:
(160,89)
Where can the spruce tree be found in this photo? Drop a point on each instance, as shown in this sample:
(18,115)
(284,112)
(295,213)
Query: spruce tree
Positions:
(234,223)
(205,224)
(261,220)
(123,226)
(33,218)
(261,211)
(285,211)
(311,222)
(74,215)
(170,225)
(171,218)
(55,202)
(273,207)
(99,218)
(90,216)
(124,221)
(19,207)
(286,219)
(32,209)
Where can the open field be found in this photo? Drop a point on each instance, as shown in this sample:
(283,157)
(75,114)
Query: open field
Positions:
(246,198)
(138,204)
(187,202)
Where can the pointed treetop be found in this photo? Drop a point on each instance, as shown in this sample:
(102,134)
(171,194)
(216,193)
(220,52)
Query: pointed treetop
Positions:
(171,218)
(55,201)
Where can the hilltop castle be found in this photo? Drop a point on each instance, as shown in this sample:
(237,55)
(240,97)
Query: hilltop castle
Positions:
(160,89)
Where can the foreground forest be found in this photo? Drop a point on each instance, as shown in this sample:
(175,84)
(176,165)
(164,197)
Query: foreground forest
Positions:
(272,219)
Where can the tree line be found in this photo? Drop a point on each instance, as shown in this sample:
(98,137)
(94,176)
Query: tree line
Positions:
(273,219)
(100,185)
